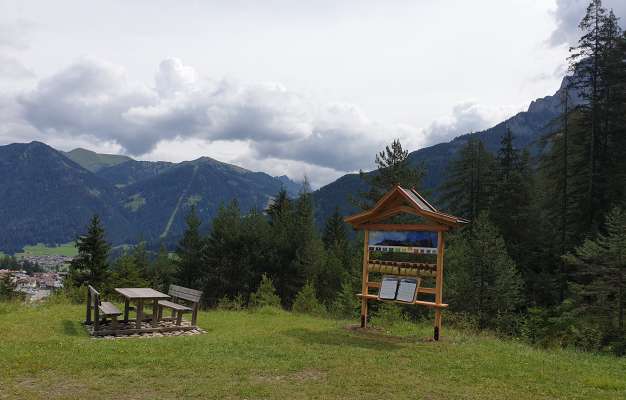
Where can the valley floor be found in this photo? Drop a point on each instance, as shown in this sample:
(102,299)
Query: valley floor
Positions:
(45,353)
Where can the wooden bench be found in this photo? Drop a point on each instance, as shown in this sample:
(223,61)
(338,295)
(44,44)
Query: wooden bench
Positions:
(181,293)
(100,308)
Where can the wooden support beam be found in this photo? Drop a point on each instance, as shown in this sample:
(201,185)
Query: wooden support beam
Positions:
(403,227)
(365,278)
(439,284)
(416,302)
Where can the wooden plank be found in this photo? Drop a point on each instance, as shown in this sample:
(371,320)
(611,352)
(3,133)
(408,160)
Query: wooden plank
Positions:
(175,306)
(404,227)
(109,309)
(416,302)
(426,290)
(439,284)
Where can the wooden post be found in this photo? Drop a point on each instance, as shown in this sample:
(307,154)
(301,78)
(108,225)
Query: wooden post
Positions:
(96,312)
(155,316)
(88,317)
(194,313)
(139,313)
(365,278)
(439,285)
(126,308)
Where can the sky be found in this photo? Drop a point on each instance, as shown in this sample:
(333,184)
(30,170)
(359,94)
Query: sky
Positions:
(297,88)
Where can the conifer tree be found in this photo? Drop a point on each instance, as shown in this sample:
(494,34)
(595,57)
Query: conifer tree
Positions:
(483,279)
(510,206)
(141,258)
(91,267)
(265,295)
(467,189)
(126,273)
(306,302)
(392,168)
(162,270)
(600,271)
(189,265)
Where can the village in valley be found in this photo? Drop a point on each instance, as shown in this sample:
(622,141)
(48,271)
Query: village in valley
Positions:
(37,276)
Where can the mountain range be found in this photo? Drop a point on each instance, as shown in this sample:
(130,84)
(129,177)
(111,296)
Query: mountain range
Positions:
(48,195)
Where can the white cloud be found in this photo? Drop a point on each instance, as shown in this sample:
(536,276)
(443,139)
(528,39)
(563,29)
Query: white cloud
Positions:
(568,14)
(96,99)
(466,117)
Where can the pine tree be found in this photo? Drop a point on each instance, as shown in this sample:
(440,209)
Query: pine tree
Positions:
(306,302)
(392,168)
(595,64)
(345,304)
(280,206)
(141,258)
(510,206)
(483,279)
(162,270)
(189,265)
(126,273)
(335,234)
(467,189)
(91,266)
(265,295)
(600,271)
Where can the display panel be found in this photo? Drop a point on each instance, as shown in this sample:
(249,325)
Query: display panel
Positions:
(403,242)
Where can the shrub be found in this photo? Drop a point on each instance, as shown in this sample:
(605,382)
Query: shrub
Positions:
(265,296)
(387,315)
(76,294)
(307,303)
(462,321)
(234,304)
(346,304)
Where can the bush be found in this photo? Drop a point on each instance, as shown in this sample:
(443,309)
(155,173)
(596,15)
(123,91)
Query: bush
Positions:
(462,321)
(387,315)
(307,303)
(346,304)
(76,295)
(234,304)
(265,296)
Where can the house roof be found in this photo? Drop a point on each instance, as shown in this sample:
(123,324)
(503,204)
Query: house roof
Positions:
(401,200)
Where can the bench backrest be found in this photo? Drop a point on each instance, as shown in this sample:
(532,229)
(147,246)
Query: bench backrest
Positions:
(184,293)
(94,295)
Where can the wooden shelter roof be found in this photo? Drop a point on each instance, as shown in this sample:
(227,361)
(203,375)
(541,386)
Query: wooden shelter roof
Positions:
(401,200)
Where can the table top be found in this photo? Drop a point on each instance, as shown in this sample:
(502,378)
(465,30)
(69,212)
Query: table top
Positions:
(141,293)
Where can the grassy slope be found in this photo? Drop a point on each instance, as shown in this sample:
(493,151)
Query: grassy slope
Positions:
(45,353)
(66,249)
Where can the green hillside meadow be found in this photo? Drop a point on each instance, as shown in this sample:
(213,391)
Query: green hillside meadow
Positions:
(272,354)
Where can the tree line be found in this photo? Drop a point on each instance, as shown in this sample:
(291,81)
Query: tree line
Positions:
(559,214)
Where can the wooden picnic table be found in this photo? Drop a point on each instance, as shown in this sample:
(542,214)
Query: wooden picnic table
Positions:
(141,295)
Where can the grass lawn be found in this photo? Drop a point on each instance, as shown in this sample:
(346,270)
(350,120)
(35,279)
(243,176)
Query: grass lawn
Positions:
(40,249)
(46,354)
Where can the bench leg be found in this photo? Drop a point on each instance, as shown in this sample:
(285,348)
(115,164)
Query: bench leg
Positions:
(114,322)
(173,314)
(179,319)
(155,316)
(160,313)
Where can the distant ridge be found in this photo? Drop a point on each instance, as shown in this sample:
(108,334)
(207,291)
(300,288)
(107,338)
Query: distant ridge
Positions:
(93,161)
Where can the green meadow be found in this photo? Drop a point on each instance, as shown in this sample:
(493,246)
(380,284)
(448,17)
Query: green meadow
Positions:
(40,249)
(45,353)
